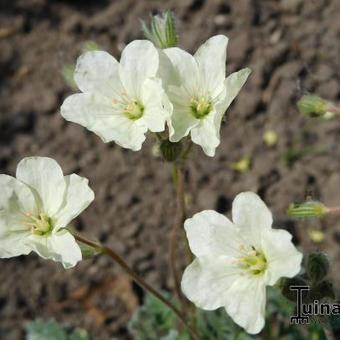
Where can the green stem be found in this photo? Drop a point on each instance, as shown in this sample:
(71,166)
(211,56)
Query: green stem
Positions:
(139,280)
(178,181)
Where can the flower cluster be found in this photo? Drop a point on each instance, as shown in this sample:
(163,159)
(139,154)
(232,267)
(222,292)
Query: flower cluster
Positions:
(149,87)
(155,90)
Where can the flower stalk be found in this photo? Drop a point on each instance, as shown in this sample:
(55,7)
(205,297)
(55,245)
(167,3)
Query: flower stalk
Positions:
(138,279)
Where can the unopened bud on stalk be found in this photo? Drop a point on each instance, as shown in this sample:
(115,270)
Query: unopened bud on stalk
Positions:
(162,30)
(314,106)
(307,209)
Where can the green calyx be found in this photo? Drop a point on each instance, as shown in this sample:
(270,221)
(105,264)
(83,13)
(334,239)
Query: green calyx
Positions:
(200,107)
(307,209)
(254,262)
(312,106)
(134,110)
(162,30)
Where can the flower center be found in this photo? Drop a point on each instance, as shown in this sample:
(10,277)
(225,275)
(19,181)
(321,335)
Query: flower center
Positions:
(134,110)
(200,107)
(39,225)
(253,261)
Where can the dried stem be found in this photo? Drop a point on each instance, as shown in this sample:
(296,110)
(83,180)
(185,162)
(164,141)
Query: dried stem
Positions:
(139,280)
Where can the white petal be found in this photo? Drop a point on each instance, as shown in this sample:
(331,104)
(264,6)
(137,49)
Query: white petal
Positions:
(155,114)
(97,72)
(234,83)
(13,243)
(284,260)
(182,119)
(186,69)
(78,197)
(16,200)
(92,111)
(206,135)
(210,234)
(45,176)
(129,134)
(138,62)
(246,301)
(206,283)
(166,71)
(59,247)
(251,216)
(211,59)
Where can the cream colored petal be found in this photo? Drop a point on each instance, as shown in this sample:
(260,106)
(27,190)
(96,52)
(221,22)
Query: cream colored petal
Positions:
(211,60)
(205,283)
(45,177)
(97,72)
(60,247)
(252,216)
(284,260)
(78,196)
(139,61)
(211,234)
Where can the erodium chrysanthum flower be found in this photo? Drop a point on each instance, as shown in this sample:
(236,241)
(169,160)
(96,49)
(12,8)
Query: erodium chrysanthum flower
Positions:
(235,261)
(36,206)
(200,93)
(121,101)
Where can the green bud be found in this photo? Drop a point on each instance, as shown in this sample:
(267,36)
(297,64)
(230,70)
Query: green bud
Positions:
(307,209)
(317,266)
(286,283)
(322,290)
(162,30)
(170,151)
(314,106)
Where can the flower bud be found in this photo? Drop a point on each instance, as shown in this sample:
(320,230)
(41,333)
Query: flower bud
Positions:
(317,266)
(162,30)
(314,106)
(170,151)
(307,209)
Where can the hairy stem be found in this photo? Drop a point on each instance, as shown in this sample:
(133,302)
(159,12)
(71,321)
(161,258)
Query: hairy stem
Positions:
(139,280)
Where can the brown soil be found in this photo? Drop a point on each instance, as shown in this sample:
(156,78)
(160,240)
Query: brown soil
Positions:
(292,47)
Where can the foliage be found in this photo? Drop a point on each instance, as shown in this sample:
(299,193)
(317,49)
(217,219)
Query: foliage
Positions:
(52,330)
(154,321)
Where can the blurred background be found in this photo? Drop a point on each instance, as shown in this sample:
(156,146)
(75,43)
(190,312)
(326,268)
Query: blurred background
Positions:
(293,48)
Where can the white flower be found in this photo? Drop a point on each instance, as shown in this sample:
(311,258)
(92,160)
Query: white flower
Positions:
(36,206)
(199,92)
(236,261)
(120,101)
